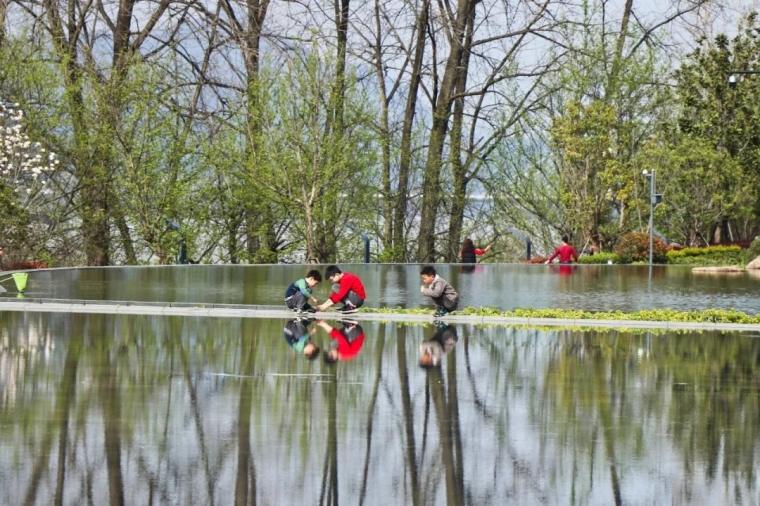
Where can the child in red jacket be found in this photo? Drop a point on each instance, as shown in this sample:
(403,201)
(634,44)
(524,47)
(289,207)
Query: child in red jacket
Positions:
(347,288)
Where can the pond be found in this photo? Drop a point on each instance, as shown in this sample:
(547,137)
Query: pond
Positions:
(507,286)
(135,409)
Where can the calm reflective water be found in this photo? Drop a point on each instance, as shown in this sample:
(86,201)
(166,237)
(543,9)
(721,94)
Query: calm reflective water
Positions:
(107,409)
(589,287)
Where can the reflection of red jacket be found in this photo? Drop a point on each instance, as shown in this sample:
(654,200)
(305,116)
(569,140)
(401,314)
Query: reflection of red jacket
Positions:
(565,253)
(348,282)
(347,349)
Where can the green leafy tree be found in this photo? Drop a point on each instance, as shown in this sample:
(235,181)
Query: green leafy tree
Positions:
(714,116)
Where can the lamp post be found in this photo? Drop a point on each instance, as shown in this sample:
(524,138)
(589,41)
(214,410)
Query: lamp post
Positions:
(654,199)
(733,80)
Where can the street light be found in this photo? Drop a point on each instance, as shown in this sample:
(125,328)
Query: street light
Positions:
(654,199)
(733,78)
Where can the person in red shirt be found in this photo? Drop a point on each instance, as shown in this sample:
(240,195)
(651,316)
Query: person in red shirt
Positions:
(470,253)
(565,252)
(347,342)
(347,288)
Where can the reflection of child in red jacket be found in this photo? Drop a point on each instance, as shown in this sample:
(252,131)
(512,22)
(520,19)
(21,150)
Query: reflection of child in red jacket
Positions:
(347,342)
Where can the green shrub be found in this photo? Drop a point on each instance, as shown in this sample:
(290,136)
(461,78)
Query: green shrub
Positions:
(711,255)
(634,247)
(754,250)
(600,258)
(709,250)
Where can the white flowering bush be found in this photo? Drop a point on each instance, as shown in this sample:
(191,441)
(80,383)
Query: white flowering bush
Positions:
(26,177)
(25,166)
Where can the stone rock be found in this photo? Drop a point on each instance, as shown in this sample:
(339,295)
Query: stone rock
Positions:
(721,269)
(754,264)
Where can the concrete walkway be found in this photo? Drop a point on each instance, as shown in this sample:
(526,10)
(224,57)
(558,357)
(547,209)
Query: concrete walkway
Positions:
(249,311)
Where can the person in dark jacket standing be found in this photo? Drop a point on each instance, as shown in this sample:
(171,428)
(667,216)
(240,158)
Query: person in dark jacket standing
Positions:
(470,253)
(443,294)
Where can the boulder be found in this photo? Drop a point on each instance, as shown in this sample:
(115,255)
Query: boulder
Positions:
(754,264)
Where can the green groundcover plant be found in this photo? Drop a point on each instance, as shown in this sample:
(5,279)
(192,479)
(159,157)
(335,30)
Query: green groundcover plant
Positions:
(659,315)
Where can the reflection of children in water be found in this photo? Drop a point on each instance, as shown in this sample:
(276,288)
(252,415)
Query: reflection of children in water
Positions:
(298,335)
(347,341)
(442,342)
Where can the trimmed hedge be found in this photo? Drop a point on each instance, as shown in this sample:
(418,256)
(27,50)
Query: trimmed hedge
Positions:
(711,255)
(600,258)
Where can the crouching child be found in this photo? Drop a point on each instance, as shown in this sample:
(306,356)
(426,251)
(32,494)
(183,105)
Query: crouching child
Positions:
(298,294)
(443,294)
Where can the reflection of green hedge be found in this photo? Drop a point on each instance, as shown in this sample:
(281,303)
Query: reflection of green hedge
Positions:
(712,255)
(600,258)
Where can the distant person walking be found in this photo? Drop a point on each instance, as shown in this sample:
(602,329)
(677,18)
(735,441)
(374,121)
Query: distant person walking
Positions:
(565,252)
(470,253)
(1,258)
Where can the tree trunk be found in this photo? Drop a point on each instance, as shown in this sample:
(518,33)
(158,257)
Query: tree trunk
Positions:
(433,166)
(459,169)
(400,201)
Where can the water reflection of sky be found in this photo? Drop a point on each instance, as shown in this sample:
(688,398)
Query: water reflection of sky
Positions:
(190,409)
(505,286)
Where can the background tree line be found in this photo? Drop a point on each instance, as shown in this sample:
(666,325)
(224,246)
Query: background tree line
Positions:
(274,131)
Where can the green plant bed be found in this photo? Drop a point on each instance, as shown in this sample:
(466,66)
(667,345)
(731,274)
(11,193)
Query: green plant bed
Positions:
(711,256)
(600,258)
(659,315)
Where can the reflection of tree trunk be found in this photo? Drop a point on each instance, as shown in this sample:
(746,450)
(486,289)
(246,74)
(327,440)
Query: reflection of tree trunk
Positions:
(63,401)
(456,434)
(609,444)
(406,403)
(444,431)
(198,424)
(370,417)
(330,474)
(109,390)
(245,483)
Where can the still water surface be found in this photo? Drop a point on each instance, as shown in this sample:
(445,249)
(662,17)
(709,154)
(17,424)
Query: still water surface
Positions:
(115,409)
(507,286)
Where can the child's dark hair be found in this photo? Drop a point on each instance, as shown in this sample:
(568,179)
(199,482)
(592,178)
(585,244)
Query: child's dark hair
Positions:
(315,275)
(428,270)
(313,354)
(468,246)
(331,271)
(329,360)
(565,239)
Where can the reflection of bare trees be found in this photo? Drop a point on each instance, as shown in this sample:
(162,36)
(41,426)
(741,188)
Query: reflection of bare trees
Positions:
(143,409)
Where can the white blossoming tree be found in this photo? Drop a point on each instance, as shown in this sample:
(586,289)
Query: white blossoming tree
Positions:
(26,171)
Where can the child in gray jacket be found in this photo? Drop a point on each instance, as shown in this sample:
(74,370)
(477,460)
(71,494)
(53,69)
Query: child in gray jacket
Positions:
(443,294)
